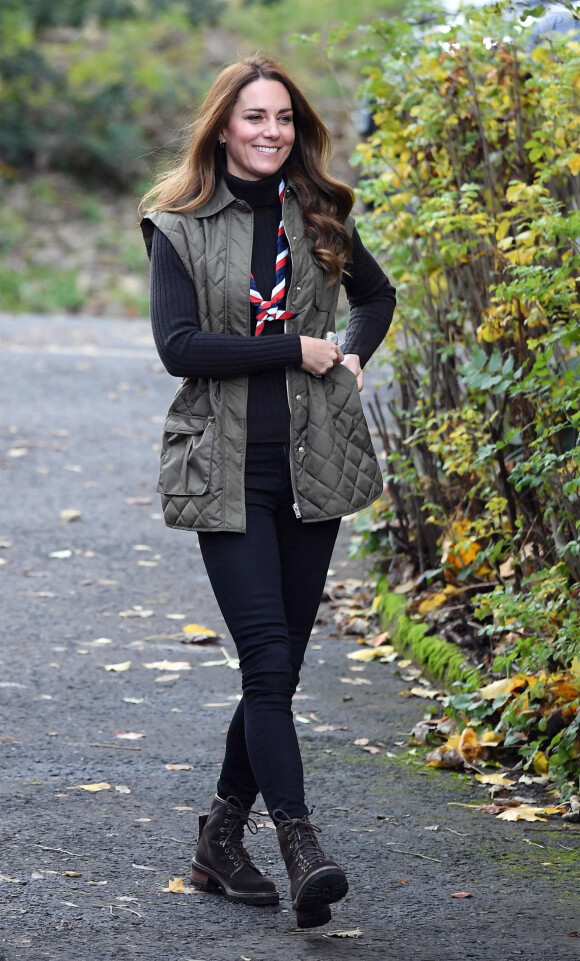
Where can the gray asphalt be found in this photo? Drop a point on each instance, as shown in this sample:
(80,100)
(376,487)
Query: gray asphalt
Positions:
(82,873)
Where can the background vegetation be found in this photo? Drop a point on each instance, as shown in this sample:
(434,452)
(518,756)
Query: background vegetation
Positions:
(472,177)
(93,96)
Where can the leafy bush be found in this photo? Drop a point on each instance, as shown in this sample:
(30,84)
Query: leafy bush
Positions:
(472,179)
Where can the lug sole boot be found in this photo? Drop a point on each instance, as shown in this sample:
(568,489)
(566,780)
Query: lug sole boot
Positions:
(221,864)
(315,880)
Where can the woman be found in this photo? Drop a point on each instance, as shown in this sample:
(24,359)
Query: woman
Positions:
(265,445)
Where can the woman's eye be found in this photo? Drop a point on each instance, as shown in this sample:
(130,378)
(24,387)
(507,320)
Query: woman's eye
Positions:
(285,119)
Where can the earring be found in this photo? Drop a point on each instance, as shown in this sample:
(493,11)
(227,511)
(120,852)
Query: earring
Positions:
(222,143)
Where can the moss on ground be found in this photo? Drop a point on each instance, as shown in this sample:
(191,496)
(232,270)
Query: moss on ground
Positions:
(443,661)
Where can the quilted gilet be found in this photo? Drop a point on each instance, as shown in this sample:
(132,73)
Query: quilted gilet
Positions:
(333,465)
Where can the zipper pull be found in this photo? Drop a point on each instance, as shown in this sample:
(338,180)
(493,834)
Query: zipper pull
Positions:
(296,510)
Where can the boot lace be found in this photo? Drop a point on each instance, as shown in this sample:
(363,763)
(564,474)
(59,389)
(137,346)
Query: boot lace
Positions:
(237,818)
(303,840)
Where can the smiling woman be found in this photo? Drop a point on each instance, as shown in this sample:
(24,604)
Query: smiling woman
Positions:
(260,132)
(265,445)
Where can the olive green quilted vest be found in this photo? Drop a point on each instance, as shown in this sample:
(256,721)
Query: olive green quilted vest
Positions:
(334,468)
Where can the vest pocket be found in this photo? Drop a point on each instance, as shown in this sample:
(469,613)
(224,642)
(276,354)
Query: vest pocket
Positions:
(186,459)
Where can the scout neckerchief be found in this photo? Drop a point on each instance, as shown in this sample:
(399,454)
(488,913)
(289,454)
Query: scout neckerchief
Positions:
(268,309)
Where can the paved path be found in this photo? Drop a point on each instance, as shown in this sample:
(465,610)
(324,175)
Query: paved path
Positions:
(82,874)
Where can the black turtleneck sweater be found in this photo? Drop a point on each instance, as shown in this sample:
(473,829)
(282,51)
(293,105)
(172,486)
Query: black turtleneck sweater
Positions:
(187,351)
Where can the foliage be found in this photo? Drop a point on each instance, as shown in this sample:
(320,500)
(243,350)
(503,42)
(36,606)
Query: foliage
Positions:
(97,87)
(472,180)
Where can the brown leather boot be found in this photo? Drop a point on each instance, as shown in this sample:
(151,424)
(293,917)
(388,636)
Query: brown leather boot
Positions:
(315,880)
(221,863)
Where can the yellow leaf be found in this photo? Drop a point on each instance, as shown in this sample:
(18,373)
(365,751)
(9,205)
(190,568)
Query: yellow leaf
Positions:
(575,666)
(124,666)
(540,763)
(505,686)
(498,778)
(198,629)
(574,164)
(432,603)
(101,786)
(176,886)
(179,767)
(425,692)
(527,812)
(370,653)
(502,229)
(169,665)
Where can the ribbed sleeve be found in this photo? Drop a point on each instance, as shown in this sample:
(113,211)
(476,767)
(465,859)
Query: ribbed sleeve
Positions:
(371,299)
(186,350)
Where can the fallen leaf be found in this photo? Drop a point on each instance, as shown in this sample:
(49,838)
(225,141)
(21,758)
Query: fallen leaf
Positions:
(17,452)
(499,778)
(370,653)
(505,686)
(133,700)
(378,640)
(122,789)
(139,501)
(130,736)
(142,547)
(169,666)
(179,767)
(355,680)
(100,786)
(167,678)
(176,885)
(198,630)
(425,692)
(136,611)
(70,514)
(232,662)
(372,750)
(352,933)
(61,554)
(462,894)
(527,812)
(71,874)
(123,666)
(361,741)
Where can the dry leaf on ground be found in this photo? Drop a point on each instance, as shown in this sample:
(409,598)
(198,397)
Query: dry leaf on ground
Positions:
(179,767)
(462,894)
(100,786)
(168,666)
(123,666)
(370,653)
(130,736)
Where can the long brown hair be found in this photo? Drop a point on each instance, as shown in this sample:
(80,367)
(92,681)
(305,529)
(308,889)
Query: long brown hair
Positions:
(325,202)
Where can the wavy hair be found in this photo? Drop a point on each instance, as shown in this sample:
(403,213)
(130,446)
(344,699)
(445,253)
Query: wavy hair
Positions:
(325,202)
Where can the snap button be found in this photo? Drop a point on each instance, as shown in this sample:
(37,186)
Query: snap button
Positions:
(300,450)
(298,396)
(298,287)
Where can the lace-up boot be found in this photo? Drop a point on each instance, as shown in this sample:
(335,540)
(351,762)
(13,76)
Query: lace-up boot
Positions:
(221,863)
(315,880)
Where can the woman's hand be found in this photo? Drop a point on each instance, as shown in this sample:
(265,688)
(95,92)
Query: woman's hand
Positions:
(319,356)
(352,361)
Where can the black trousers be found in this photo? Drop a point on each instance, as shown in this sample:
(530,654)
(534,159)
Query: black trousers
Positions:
(268,583)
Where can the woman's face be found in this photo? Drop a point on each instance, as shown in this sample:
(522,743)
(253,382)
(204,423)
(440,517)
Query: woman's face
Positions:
(260,131)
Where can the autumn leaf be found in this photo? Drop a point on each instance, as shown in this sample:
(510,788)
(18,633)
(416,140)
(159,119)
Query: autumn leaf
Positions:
(498,778)
(123,666)
(196,632)
(176,885)
(130,736)
(527,812)
(462,894)
(179,767)
(505,686)
(100,786)
(168,666)
(574,164)
(370,653)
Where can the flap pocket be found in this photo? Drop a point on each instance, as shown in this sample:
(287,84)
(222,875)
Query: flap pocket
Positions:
(187,456)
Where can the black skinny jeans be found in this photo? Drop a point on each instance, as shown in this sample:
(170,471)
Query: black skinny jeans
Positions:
(268,583)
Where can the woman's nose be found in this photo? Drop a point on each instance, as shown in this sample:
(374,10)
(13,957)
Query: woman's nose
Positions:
(271,128)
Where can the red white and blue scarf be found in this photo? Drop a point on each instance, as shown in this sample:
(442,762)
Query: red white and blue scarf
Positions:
(269,309)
